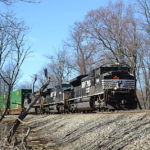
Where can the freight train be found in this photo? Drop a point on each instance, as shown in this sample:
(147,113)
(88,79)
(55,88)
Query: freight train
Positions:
(108,87)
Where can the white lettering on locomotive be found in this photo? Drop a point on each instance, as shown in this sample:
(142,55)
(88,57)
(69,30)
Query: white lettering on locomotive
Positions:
(86,83)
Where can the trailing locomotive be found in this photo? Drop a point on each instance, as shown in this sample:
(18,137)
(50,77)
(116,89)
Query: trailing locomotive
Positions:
(108,87)
(54,99)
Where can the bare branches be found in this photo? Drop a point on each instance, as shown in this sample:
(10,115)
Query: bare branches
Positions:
(145,11)
(83,48)
(24,139)
(13,51)
(144,58)
(59,67)
(108,31)
(110,28)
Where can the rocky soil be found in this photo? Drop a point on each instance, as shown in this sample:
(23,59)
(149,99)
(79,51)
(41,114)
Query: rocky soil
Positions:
(106,131)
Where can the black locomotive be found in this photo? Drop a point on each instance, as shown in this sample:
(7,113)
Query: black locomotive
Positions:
(108,87)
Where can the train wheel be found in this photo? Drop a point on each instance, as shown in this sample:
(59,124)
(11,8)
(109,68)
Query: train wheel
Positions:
(93,103)
(72,108)
(58,108)
(37,110)
(66,110)
(47,111)
(61,108)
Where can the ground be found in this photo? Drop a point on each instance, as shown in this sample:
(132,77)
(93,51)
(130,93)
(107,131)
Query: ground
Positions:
(106,131)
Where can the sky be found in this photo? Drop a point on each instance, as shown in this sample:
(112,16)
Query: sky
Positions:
(50,22)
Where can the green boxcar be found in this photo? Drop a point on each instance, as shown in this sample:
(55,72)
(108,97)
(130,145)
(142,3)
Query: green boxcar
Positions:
(16,101)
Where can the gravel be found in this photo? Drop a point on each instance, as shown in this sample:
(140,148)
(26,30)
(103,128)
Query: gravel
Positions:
(106,131)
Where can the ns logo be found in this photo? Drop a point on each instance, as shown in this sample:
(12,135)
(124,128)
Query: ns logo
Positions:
(121,84)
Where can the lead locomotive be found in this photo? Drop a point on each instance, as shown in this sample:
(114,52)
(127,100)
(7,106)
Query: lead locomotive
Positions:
(108,87)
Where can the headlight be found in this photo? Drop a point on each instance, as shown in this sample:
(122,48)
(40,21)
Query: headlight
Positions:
(115,88)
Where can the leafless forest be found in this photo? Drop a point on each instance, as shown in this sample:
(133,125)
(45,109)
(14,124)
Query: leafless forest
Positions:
(113,33)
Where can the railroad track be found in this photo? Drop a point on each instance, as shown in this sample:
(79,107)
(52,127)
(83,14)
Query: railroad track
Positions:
(89,113)
(125,111)
(104,112)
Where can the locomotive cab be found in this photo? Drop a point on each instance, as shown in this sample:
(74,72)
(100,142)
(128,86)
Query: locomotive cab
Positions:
(60,97)
(117,77)
(119,86)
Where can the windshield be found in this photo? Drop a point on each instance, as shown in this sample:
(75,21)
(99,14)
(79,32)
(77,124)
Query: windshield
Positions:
(66,85)
(114,69)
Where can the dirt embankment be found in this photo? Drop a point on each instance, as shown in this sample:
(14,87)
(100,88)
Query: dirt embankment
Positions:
(104,131)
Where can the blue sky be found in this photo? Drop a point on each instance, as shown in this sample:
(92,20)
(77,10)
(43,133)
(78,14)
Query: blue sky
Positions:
(49,23)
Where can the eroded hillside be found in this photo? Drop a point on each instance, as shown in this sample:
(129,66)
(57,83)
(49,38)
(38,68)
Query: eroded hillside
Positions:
(129,130)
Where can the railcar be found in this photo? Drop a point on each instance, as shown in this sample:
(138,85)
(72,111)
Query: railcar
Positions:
(17,101)
(108,87)
(54,99)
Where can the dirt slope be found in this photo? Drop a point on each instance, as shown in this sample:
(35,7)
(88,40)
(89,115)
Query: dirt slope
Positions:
(106,131)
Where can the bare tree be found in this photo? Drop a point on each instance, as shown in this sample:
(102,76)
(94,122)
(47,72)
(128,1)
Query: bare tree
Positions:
(60,67)
(144,73)
(145,77)
(144,10)
(13,52)
(114,29)
(108,34)
(40,79)
(83,49)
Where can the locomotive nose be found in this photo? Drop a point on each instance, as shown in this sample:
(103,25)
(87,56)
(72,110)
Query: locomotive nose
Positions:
(118,81)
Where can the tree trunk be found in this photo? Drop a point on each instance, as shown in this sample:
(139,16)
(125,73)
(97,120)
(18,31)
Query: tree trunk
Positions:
(25,112)
(7,103)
